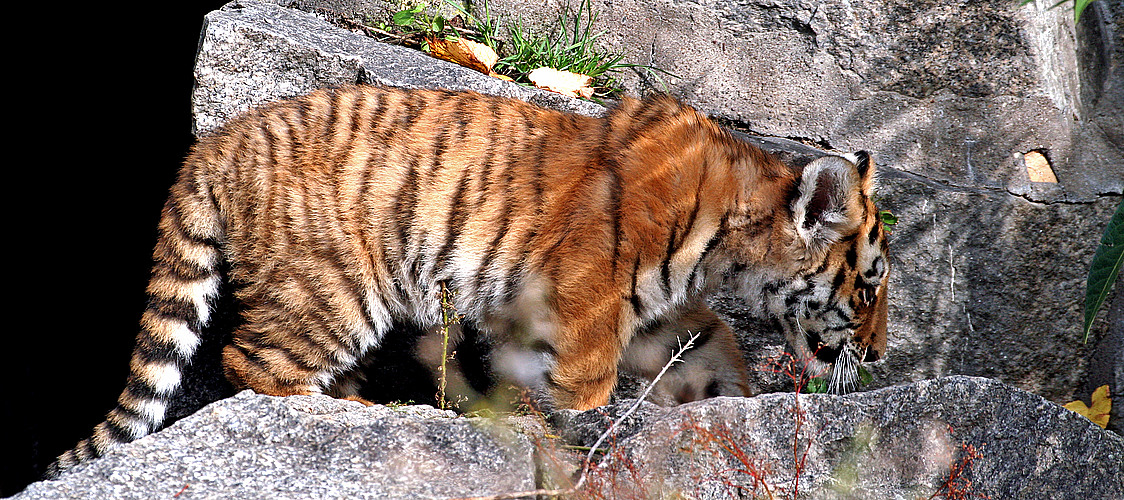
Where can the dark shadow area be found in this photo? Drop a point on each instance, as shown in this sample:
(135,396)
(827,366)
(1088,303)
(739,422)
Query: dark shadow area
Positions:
(103,121)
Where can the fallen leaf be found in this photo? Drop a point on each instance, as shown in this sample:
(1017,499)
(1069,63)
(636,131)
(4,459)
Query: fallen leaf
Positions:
(563,82)
(464,52)
(1098,413)
(1038,167)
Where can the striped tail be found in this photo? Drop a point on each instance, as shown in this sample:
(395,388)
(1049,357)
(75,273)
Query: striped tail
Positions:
(181,295)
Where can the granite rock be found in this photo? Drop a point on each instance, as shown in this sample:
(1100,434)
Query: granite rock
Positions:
(974,435)
(255,446)
(910,441)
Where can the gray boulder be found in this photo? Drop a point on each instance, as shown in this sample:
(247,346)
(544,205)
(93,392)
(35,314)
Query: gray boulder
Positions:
(251,53)
(963,434)
(971,435)
(254,446)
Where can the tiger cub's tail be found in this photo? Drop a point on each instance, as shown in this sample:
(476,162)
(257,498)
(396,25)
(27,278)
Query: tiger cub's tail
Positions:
(181,294)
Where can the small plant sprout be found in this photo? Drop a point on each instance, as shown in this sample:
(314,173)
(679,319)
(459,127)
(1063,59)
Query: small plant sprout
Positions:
(449,317)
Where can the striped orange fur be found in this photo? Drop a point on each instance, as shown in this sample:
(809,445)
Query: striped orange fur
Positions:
(564,237)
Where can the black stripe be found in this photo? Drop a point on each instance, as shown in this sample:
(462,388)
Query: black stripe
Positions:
(695,272)
(714,241)
(149,350)
(349,144)
(175,213)
(493,248)
(357,108)
(642,120)
(458,216)
(405,205)
(538,165)
(637,307)
(515,273)
(852,257)
(833,308)
(174,308)
(462,116)
(543,346)
(553,271)
(116,432)
(127,413)
(615,213)
(333,255)
(486,165)
(305,113)
(822,267)
(837,282)
(872,236)
(264,343)
(863,164)
(322,314)
(795,295)
(415,105)
(374,162)
(514,276)
(87,448)
(607,159)
(695,209)
(334,97)
(665,266)
(138,389)
(233,178)
(172,263)
(377,117)
(772,287)
(252,356)
(875,267)
(440,145)
(277,145)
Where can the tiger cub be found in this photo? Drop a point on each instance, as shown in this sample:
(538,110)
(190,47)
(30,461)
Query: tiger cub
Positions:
(342,212)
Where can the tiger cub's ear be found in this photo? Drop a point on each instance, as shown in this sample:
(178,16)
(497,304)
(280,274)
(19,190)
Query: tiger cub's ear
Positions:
(828,203)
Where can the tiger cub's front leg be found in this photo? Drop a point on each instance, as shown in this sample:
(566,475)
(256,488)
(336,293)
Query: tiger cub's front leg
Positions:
(585,352)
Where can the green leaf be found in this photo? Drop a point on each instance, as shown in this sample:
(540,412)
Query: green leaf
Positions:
(865,378)
(888,217)
(1105,267)
(816,385)
(404,17)
(1078,8)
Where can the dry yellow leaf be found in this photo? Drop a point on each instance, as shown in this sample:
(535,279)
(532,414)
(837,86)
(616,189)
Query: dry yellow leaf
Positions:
(563,82)
(1098,413)
(464,52)
(1038,167)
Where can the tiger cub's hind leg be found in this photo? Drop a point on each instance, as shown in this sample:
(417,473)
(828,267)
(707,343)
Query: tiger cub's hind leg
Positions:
(280,352)
(713,366)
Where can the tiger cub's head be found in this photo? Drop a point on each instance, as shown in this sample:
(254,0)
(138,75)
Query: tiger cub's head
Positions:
(827,282)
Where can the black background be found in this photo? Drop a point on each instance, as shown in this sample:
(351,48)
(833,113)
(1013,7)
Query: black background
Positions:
(99,99)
